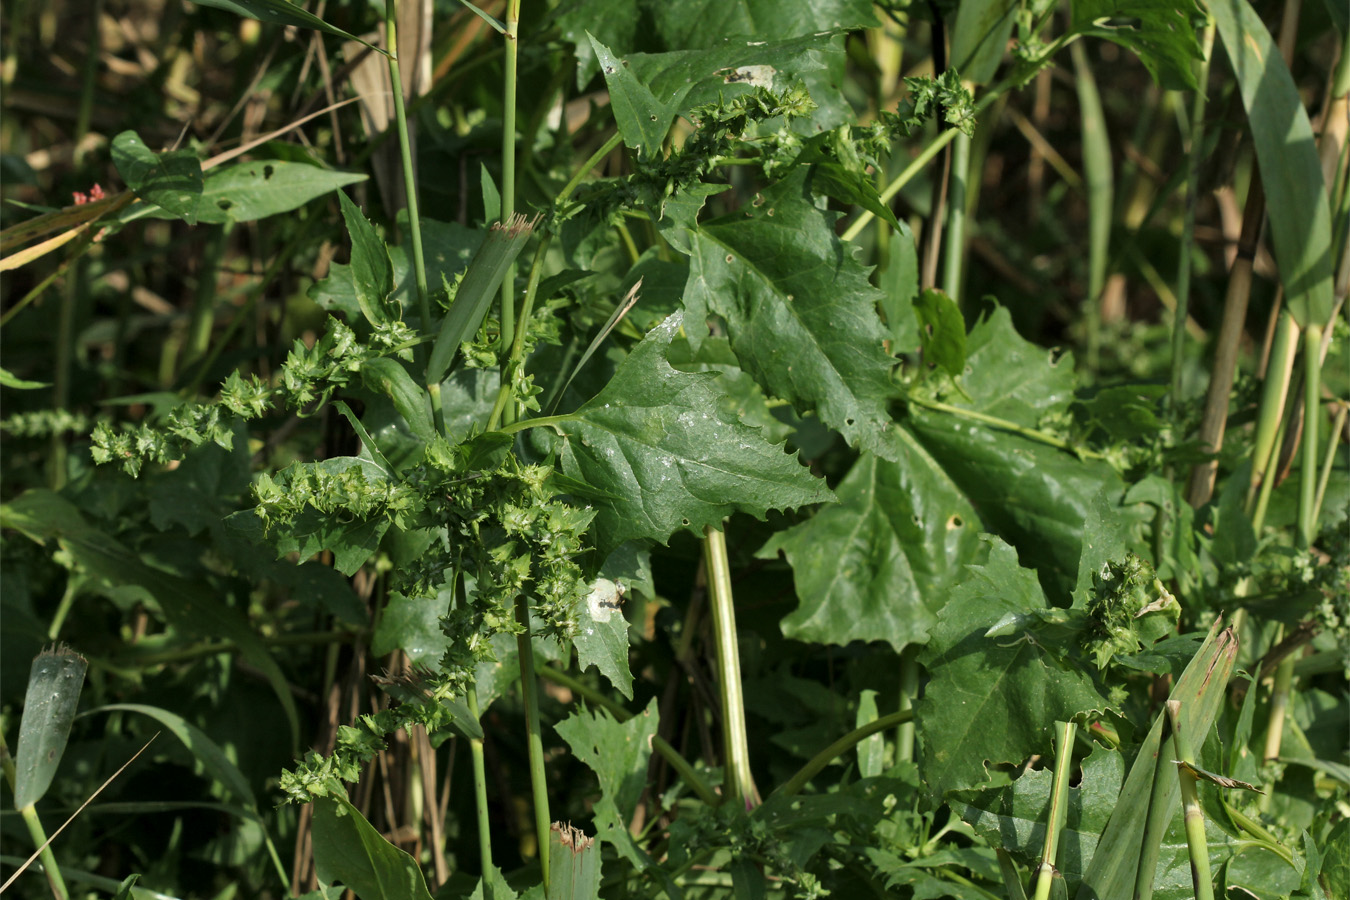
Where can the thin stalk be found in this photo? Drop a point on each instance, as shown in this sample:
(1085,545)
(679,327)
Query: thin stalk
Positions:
(1195,152)
(1100,196)
(65,354)
(88,80)
(529,692)
(1267,488)
(1333,441)
(659,744)
(909,689)
(409,182)
(34,826)
(738,782)
(508,310)
(480,788)
(204,301)
(605,150)
(1058,812)
(1215,418)
(506,410)
(1276,387)
(1029,433)
(63,608)
(1201,879)
(846,743)
(1312,396)
(954,262)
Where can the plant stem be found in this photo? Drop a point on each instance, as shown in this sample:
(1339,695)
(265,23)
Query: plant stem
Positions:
(1329,461)
(1275,389)
(480,788)
(605,150)
(1182,314)
(409,176)
(529,692)
(508,310)
(996,422)
(1312,397)
(1058,812)
(1201,879)
(955,259)
(846,743)
(34,826)
(738,782)
(909,689)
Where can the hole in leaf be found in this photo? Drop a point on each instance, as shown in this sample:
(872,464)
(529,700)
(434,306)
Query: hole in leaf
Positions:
(729,257)
(267,172)
(849,422)
(955,522)
(224,204)
(684,522)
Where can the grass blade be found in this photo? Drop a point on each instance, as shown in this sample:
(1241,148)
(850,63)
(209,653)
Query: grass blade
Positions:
(576,864)
(1296,193)
(486,270)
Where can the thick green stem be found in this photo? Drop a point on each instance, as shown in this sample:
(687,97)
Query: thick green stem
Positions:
(738,782)
(480,789)
(1058,809)
(1201,879)
(1273,395)
(909,689)
(955,261)
(529,692)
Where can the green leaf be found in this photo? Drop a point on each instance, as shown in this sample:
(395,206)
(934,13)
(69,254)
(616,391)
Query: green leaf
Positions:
(1291,173)
(348,849)
(602,640)
(171,180)
(372,272)
(1160,32)
(54,684)
(992,700)
(980,37)
(643,120)
(10,380)
(190,607)
(1034,496)
(575,858)
(387,376)
(942,331)
(476,292)
(880,563)
(700,23)
(780,278)
(617,752)
(254,190)
(662,452)
(1200,690)
(279,12)
(205,751)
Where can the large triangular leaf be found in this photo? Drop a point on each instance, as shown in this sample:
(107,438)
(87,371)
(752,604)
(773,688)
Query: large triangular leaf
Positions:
(171,180)
(661,451)
(1033,495)
(879,565)
(992,700)
(799,310)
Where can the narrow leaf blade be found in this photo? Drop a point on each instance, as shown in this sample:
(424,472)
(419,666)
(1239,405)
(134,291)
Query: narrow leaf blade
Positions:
(372,272)
(279,12)
(54,684)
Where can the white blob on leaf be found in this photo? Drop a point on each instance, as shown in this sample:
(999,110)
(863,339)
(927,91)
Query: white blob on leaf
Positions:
(604,599)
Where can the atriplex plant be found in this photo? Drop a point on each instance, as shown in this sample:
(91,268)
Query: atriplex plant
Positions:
(613,363)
